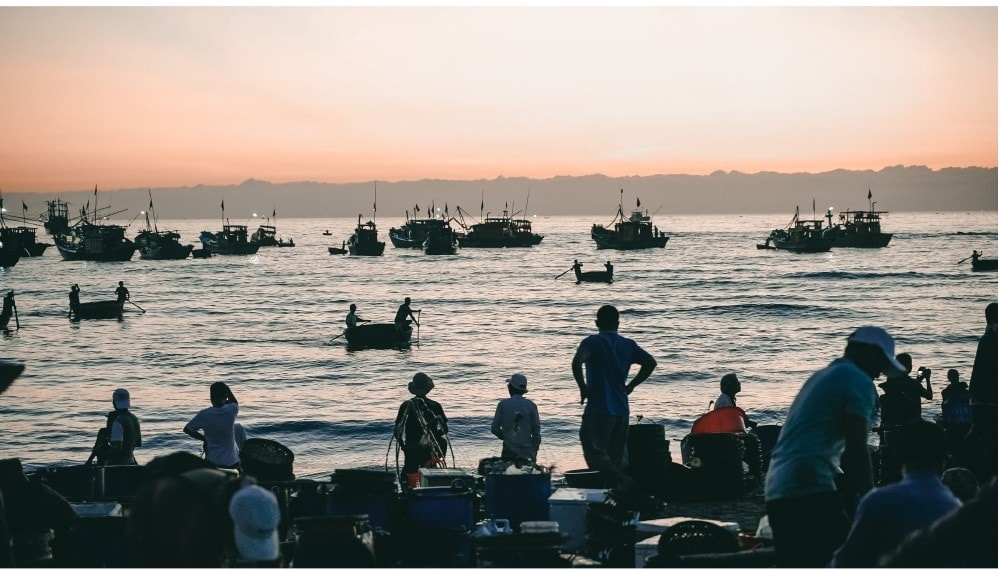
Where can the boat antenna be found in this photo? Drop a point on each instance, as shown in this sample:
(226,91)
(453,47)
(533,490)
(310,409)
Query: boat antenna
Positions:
(482,203)
(528,202)
(374,206)
(657,210)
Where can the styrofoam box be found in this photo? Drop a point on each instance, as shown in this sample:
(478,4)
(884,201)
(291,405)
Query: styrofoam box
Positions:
(644,549)
(87,509)
(430,477)
(567,506)
(659,525)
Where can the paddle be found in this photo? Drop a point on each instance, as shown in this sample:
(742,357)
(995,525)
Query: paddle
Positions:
(139,308)
(566,271)
(17,320)
(418,323)
(965,259)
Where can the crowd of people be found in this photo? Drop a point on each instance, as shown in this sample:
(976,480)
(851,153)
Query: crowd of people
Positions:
(821,502)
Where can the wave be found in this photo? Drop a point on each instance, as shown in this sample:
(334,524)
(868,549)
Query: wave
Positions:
(835,275)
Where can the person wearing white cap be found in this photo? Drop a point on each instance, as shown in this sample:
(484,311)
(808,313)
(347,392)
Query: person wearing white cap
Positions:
(123,430)
(255,517)
(827,427)
(516,422)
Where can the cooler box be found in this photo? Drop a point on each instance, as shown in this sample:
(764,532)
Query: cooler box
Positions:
(440,507)
(567,506)
(518,497)
(446,477)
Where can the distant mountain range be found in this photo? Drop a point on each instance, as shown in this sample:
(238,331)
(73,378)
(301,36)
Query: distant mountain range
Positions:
(895,188)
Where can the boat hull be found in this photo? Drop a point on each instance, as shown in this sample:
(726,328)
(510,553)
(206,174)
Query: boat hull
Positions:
(70,251)
(218,245)
(817,246)
(366,248)
(865,241)
(377,336)
(594,276)
(97,310)
(337,251)
(161,246)
(606,239)
(985,265)
(10,253)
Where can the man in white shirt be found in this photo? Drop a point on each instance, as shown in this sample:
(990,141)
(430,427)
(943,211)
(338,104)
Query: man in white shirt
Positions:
(516,422)
(217,424)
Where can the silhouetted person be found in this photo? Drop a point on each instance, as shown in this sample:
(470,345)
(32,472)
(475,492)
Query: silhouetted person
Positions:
(610,269)
(730,386)
(826,428)
(8,309)
(956,408)
(961,482)
(886,515)
(402,316)
(516,422)
(124,434)
(603,431)
(218,425)
(352,318)
(122,292)
(74,298)
(421,427)
(983,383)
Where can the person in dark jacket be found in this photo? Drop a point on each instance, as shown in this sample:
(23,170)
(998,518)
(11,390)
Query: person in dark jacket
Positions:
(983,385)
(123,430)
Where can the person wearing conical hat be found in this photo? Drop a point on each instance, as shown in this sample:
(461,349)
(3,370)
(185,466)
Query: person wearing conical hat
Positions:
(421,427)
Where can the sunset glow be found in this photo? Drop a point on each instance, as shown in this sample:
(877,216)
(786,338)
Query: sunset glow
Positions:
(135,97)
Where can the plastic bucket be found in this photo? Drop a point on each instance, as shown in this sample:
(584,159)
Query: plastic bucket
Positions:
(440,507)
(584,478)
(518,497)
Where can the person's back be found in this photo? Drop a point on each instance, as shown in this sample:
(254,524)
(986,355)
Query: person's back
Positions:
(611,357)
(517,423)
(886,515)
(983,382)
(217,422)
(956,405)
(124,433)
(420,427)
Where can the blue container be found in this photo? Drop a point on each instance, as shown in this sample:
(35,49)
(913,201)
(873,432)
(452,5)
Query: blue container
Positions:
(440,507)
(518,497)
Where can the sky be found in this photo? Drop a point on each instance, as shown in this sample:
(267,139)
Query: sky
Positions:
(127,97)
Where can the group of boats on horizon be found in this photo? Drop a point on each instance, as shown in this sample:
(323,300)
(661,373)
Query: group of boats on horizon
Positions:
(90,237)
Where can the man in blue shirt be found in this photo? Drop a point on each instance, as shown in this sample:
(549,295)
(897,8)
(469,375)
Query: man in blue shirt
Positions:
(603,431)
(886,515)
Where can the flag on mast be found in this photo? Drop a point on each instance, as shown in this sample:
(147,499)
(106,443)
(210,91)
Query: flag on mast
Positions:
(869,193)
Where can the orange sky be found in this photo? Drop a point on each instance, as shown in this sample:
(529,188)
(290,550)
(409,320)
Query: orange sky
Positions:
(159,97)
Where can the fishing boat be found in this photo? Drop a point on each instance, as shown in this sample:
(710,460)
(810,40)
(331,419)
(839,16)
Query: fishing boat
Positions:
(636,232)
(283,243)
(342,250)
(800,236)
(110,309)
(979,264)
(364,241)
(377,336)
(27,237)
(504,231)
(91,240)
(858,228)
(154,244)
(327,232)
(232,240)
(56,218)
(265,235)
(441,240)
(606,276)
(10,249)
(413,233)
(202,253)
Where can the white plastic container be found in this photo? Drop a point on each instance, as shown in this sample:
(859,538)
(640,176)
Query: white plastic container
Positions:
(644,549)
(567,506)
(659,525)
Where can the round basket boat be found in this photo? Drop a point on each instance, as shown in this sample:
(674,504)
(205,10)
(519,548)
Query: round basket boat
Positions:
(266,460)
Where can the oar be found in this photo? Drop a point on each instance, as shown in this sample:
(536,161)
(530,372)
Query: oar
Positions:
(564,272)
(335,338)
(963,260)
(418,323)
(17,321)
(139,308)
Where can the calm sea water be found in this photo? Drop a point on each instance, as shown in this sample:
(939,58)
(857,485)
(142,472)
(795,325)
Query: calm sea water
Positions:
(707,304)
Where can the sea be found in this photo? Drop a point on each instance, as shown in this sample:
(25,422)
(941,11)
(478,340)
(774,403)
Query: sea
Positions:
(707,304)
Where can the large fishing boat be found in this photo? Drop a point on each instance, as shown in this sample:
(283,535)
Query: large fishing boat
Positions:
(10,249)
(56,218)
(28,239)
(636,232)
(413,233)
(232,240)
(441,240)
(800,236)
(505,231)
(858,228)
(265,236)
(364,241)
(91,240)
(155,244)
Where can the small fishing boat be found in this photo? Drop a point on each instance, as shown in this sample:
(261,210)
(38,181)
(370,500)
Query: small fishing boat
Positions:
(10,250)
(327,232)
(413,234)
(110,309)
(979,264)
(441,240)
(30,247)
(232,240)
(505,231)
(364,241)
(342,250)
(377,336)
(636,232)
(800,236)
(201,253)
(858,228)
(283,243)
(606,276)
